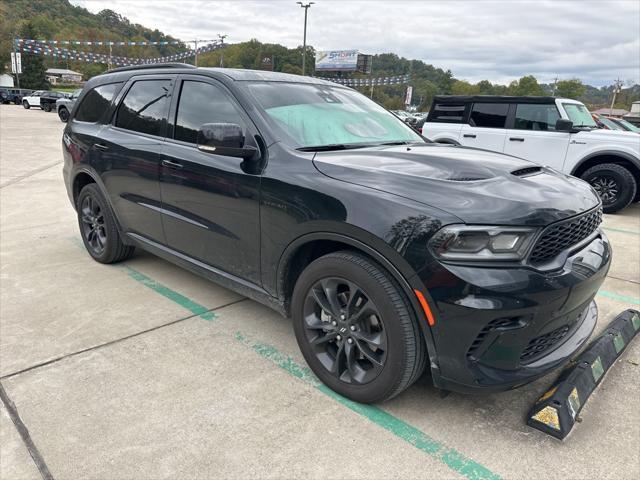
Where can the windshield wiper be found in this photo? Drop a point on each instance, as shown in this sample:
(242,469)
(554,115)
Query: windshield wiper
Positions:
(331,146)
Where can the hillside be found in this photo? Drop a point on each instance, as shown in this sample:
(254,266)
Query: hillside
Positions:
(59,20)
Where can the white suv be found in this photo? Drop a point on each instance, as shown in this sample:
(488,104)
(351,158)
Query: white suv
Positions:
(549,131)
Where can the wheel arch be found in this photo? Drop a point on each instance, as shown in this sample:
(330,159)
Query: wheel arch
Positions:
(302,251)
(623,159)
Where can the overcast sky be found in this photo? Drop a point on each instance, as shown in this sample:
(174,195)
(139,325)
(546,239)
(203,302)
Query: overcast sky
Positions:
(594,40)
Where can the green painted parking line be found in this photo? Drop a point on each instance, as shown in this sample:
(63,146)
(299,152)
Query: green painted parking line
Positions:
(621,230)
(195,308)
(401,429)
(618,297)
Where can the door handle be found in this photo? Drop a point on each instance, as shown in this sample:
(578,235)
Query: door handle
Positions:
(516,139)
(101,146)
(469,135)
(172,164)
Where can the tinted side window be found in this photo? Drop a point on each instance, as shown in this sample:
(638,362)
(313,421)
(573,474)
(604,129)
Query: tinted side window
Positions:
(536,117)
(144,107)
(447,113)
(491,115)
(202,103)
(96,102)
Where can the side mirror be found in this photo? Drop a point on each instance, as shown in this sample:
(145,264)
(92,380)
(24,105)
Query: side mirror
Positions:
(564,125)
(224,139)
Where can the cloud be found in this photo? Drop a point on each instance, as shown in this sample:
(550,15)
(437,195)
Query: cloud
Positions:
(482,39)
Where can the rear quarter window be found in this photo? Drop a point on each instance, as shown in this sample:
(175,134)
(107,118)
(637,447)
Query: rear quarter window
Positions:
(447,113)
(96,102)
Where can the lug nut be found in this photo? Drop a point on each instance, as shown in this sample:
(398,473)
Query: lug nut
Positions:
(342,317)
(338,338)
(334,323)
(350,340)
(353,328)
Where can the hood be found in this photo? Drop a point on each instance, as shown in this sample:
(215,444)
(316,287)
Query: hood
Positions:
(611,136)
(477,186)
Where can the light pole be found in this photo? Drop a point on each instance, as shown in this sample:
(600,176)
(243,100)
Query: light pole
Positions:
(222,37)
(304,40)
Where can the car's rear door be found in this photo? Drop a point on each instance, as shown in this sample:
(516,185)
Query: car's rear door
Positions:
(486,126)
(210,202)
(131,147)
(532,135)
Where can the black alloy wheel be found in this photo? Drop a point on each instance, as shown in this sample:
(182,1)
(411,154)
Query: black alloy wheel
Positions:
(93,228)
(98,227)
(46,107)
(615,185)
(63,113)
(26,105)
(356,328)
(345,330)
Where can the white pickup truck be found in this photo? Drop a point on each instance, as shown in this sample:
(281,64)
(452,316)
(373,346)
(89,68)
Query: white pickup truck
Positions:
(549,131)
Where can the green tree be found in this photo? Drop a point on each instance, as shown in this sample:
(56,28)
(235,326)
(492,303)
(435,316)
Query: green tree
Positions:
(572,88)
(526,86)
(33,68)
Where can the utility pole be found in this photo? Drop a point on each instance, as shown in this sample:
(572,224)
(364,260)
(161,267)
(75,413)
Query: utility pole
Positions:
(306,7)
(617,88)
(555,84)
(195,43)
(15,53)
(222,37)
(109,63)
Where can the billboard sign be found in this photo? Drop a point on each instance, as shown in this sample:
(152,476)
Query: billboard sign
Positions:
(408,95)
(337,60)
(16,62)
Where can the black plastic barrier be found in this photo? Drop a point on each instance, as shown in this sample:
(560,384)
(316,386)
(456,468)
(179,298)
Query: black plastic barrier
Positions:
(555,412)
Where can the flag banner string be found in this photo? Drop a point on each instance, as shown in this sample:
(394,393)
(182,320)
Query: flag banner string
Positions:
(92,57)
(126,43)
(367,82)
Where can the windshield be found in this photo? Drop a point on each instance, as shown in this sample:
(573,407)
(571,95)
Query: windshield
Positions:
(627,125)
(611,124)
(313,115)
(579,115)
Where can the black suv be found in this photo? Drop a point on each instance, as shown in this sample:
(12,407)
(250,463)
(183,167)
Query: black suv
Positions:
(388,251)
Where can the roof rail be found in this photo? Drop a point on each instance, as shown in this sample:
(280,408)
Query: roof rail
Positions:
(146,66)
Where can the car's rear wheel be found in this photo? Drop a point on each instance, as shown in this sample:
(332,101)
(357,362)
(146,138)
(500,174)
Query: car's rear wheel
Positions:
(46,107)
(356,329)
(63,113)
(26,105)
(614,183)
(98,227)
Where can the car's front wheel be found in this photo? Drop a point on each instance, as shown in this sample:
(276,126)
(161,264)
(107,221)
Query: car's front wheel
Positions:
(356,329)
(614,183)
(98,227)
(26,105)
(63,113)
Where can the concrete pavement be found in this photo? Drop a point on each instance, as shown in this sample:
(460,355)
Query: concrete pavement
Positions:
(143,370)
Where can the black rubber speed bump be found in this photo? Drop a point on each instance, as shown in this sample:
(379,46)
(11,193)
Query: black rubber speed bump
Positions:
(555,412)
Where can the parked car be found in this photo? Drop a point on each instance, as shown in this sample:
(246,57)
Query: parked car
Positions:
(389,252)
(548,131)
(627,126)
(16,94)
(48,100)
(4,96)
(606,123)
(33,99)
(65,105)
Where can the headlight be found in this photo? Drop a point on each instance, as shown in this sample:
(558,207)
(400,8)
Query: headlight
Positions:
(480,243)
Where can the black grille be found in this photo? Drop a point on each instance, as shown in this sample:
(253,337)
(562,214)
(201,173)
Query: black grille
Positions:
(502,323)
(541,344)
(562,235)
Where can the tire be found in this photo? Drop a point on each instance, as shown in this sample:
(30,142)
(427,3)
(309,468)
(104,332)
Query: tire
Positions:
(378,320)
(26,105)
(614,183)
(46,107)
(98,227)
(63,114)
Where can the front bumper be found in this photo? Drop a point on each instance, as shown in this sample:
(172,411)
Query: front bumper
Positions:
(499,328)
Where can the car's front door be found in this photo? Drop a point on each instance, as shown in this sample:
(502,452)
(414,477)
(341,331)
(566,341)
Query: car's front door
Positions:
(210,202)
(131,154)
(486,126)
(532,135)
